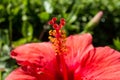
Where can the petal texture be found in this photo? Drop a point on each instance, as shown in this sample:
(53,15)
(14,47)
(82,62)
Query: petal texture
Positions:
(19,74)
(33,53)
(100,63)
(78,46)
(37,59)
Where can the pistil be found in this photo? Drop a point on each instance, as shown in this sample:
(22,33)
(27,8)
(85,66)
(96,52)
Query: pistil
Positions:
(58,38)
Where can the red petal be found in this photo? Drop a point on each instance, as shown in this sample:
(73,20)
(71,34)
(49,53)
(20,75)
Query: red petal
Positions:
(19,74)
(78,47)
(34,53)
(35,58)
(100,63)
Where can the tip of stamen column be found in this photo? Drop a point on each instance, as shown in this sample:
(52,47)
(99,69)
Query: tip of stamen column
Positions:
(55,25)
(57,36)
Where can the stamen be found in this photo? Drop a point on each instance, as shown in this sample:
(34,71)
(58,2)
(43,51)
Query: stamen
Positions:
(57,36)
(58,39)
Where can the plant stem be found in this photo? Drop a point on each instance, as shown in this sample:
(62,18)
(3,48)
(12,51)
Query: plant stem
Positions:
(10,31)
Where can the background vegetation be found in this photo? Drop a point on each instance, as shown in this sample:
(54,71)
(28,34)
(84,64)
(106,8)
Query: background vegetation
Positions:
(25,21)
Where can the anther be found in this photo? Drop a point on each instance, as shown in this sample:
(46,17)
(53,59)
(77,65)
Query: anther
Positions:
(57,36)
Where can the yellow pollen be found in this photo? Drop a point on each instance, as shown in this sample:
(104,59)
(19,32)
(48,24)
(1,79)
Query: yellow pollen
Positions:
(58,42)
(57,36)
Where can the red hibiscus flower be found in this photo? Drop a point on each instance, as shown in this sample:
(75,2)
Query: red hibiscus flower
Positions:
(72,58)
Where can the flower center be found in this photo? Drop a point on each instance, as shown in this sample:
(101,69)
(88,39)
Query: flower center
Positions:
(58,39)
(57,36)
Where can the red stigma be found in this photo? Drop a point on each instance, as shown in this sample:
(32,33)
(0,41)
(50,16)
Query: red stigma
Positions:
(54,19)
(55,25)
(51,22)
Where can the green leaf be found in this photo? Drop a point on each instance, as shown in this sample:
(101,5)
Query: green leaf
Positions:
(27,30)
(16,10)
(117,43)
(19,42)
(73,18)
(44,16)
(4,36)
(2,20)
(1,7)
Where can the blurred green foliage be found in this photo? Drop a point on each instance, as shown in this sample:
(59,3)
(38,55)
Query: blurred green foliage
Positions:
(25,21)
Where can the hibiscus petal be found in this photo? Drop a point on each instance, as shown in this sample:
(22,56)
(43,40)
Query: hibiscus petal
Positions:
(100,63)
(19,74)
(33,53)
(78,46)
(36,58)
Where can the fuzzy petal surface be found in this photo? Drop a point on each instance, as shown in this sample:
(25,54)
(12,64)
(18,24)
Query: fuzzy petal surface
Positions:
(33,53)
(78,46)
(19,74)
(101,63)
(37,59)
